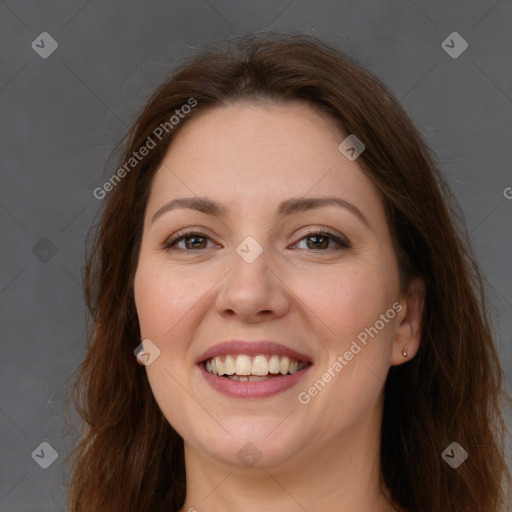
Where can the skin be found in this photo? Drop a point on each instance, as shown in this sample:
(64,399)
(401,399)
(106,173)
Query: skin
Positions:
(323,455)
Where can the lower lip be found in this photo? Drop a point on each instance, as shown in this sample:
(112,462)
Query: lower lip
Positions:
(257,389)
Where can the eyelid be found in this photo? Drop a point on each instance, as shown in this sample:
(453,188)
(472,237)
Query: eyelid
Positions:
(341,240)
(185,233)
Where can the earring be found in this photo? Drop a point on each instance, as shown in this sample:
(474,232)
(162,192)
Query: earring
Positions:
(404,353)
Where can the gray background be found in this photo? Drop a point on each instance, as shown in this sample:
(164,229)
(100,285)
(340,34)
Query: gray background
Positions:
(61,117)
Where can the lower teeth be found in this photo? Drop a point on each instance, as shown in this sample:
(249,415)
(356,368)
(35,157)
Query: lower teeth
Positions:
(248,378)
(256,378)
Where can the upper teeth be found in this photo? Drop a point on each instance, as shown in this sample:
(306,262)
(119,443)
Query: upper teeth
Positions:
(259,365)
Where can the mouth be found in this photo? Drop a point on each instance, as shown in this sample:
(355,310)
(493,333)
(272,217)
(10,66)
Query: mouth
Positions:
(252,369)
(248,368)
(255,369)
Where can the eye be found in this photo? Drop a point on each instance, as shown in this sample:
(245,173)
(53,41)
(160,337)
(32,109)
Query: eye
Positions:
(197,239)
(321,239)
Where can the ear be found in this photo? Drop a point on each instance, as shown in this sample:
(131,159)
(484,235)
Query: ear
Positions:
(408,323)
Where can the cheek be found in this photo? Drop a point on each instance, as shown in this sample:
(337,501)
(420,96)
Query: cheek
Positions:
(347,300)
(164,297)
(164,302)
(354,359)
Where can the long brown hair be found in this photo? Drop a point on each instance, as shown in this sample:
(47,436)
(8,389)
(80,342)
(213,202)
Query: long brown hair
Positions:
(130,458)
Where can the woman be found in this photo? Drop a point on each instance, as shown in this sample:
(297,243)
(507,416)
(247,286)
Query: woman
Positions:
(284,314)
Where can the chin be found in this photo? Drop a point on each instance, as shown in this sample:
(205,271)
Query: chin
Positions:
(255,443)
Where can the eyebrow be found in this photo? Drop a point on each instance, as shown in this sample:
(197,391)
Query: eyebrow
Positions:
(285,208)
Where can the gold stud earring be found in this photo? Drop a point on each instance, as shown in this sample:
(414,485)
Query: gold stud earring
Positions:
(404,353)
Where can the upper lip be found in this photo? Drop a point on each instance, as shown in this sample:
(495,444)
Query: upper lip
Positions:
(251,348)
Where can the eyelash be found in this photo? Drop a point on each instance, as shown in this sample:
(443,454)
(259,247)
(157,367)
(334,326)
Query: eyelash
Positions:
(343,244)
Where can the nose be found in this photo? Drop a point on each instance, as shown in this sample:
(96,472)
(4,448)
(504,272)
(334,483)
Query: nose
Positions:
(253,291)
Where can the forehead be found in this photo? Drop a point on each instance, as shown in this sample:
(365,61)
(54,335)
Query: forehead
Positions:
(259,154)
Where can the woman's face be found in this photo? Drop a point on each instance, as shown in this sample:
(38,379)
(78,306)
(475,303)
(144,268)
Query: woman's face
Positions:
(279,277)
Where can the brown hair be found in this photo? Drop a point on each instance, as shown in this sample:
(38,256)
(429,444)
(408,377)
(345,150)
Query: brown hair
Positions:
(130,458)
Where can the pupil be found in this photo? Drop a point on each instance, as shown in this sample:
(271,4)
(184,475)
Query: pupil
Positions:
(325,239)
(194,246)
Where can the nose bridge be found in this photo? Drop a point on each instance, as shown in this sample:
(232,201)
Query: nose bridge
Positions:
(250,261)
(250,250)
(250,286)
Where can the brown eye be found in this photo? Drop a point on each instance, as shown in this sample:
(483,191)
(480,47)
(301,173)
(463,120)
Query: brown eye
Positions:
(320,240)
(193,240)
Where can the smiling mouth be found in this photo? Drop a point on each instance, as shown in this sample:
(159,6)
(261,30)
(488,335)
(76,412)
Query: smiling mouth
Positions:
(245,368)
